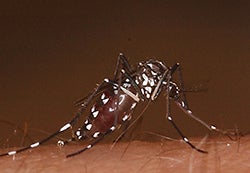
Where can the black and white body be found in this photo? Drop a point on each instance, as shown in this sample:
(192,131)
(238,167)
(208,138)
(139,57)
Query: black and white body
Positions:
(112,103)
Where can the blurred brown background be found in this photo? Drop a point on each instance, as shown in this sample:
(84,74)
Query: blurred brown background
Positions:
(53,53)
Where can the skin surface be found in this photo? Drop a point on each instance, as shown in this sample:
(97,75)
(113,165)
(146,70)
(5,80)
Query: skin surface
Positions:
(224,155)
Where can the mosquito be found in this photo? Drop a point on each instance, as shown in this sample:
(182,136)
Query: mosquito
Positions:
(113,101)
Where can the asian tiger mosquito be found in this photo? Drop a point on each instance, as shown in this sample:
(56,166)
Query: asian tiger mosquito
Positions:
(117,98)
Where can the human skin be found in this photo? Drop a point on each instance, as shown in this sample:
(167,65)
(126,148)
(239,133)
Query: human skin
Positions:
(224,155)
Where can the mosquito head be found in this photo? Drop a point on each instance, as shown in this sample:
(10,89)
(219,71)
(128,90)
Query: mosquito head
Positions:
(176,94)
(173,91)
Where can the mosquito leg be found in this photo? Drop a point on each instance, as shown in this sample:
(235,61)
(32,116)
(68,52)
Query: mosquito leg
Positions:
(124,128)
(122,63)
(170,119)
(181,100)
(137,126)
(210,127)
(181,85)
(185,139)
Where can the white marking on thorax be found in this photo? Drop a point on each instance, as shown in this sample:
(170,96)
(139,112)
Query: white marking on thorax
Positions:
(142,91)
(153,73)
(149,89)
(151,82)
(145,81)
(136,81)
(144,76)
